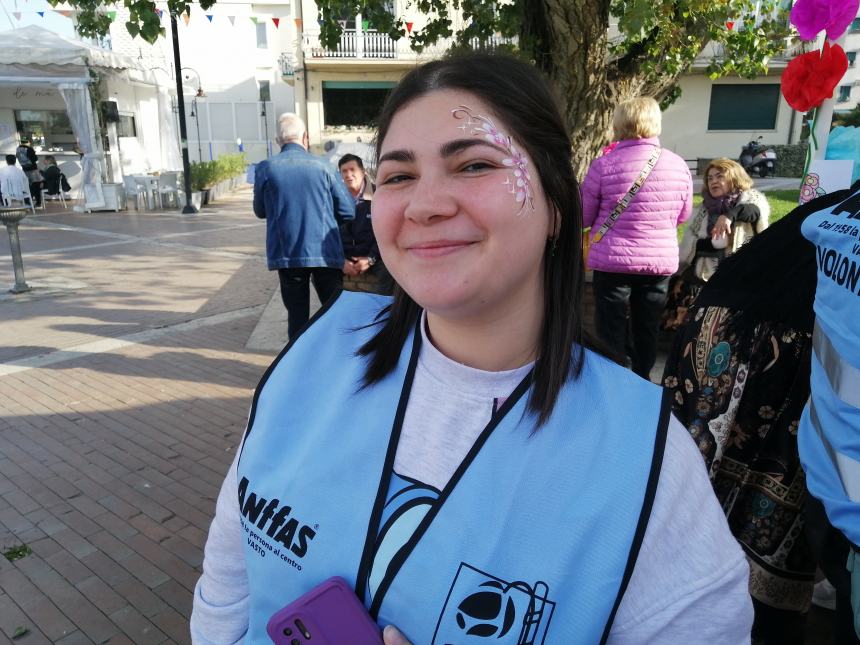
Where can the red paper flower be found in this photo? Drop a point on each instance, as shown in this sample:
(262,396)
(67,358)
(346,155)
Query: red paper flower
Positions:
(811,16)
(810,78)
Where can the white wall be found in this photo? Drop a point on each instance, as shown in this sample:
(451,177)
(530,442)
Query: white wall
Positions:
(685,123)
(225,61)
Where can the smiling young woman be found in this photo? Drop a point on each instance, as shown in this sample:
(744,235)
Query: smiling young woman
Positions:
(460,454)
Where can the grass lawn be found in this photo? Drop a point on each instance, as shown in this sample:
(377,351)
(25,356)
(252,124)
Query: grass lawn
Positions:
(782,202)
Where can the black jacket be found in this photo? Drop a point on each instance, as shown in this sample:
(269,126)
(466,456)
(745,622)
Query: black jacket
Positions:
(357,234)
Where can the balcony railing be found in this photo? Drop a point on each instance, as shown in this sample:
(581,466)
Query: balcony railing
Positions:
(373,45)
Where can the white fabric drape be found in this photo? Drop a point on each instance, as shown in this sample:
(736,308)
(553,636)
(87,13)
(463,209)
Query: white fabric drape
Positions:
(79,107)
(171,159)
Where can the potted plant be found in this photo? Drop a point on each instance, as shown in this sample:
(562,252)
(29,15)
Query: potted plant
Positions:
(202,174)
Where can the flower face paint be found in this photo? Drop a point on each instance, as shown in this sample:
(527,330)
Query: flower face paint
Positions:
(483,126)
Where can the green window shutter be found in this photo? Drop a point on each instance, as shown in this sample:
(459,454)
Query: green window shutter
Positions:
(743,107)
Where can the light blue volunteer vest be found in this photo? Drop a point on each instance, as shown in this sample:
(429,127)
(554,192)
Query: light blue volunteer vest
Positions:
(532,541)
(829,434)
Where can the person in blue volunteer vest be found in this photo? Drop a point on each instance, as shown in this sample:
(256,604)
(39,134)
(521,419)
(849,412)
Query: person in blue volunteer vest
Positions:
(462,454)
(829,433)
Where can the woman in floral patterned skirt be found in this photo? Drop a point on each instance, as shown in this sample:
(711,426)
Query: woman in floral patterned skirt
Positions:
(739,370)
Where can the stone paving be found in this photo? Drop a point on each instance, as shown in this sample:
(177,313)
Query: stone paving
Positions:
(124,387)
(125,381)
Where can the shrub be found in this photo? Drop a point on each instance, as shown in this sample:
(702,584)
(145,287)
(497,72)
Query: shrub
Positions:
(205,174)
(790,160)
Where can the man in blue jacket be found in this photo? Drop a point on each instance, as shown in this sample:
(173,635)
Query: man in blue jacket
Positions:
(302,200)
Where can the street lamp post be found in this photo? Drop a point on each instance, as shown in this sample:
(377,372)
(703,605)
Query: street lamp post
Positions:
(265,118)
(195,112)
(183,132)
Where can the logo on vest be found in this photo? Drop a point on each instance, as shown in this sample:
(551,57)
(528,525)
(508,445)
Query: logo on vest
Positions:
(481,608)
(263,518)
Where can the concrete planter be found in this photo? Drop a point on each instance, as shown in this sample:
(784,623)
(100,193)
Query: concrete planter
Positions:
(196,199)
(225,187)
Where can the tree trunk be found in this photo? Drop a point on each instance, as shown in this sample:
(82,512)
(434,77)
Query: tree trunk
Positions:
(575,61)
(568,40)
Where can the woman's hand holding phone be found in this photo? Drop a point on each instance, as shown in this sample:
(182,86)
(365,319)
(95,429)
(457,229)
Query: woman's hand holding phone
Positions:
(392,636)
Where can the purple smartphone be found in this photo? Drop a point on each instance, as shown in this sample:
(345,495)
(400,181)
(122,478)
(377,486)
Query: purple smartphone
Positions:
(329,614)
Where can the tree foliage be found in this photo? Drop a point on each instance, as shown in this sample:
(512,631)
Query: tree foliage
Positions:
(93,19)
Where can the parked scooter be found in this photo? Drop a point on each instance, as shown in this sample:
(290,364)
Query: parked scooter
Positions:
(757,159)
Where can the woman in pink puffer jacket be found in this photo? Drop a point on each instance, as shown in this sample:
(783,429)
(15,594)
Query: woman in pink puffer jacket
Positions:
(633,261)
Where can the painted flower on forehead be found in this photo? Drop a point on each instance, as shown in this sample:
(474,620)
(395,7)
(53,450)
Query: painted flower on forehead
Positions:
(483,126)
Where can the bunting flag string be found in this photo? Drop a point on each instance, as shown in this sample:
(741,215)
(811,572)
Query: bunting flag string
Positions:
(186,17)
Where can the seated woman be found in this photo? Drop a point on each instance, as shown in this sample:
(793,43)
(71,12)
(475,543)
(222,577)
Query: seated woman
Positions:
(730,214)
(460,454)
(55,180)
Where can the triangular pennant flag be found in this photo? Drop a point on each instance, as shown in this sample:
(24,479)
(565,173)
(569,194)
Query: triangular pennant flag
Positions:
(17,15)
(232,19)
(111,15)
(186,17)
(730,24)
(276,21)
(41,13)
(209,16)
(254,19)
(160,13)
(64,12)
(365,24)
(298,22)
(409,26)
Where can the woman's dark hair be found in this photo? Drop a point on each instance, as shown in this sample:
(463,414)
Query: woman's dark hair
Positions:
(523,102)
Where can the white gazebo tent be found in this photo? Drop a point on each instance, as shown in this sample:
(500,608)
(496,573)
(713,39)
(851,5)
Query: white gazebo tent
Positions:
(36,56)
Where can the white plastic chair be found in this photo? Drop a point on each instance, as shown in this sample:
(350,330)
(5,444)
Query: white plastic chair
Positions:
(134,189)
(54,197)
(59,197)
(26,200)
(14,191)
(168,187)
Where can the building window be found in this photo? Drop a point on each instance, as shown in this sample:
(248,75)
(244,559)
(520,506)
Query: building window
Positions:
(46,128)
(126,127)
(353,103)
(844,94)
(743,107)
(852,58)
(262,38)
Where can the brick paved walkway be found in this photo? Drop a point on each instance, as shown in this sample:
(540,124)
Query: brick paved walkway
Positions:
(124,387)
